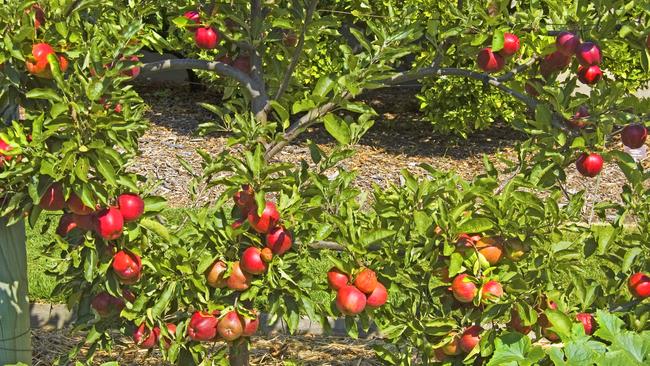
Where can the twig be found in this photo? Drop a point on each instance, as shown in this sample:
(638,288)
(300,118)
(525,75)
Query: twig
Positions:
(297,52)
(503,184)
(519,69)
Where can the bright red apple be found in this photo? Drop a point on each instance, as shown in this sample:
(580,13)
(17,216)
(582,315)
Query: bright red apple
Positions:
(634,135)
(378,297)
(53,198)
(470,338)
(350,301)
(109,223)
(639,285)
(510,45)
(587,321)
(146,338)
(588,54)
(202,326)
(131,206)
(463,288)
(250,325)
(251,261)
(269,219)
(589,75)
(193,18)
(491,291)
(127,267)
(214,274)
(366,281)
(4,147)
(133,71)
(567,43)
(489,61)
(279,240)
(589,165)
(230,326)
(337,279)
(76,206)
(206,38)
(238,279)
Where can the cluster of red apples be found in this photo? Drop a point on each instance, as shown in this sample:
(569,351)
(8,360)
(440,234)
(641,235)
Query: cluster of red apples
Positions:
(490,61)
(253,261)
(567,45)
(354,297)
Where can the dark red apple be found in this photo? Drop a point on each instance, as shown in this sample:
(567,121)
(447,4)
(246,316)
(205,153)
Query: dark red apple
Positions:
(588,54)
(127,267)
(238,279)
(279,240)
(290,39)
(131,206)
(202,326)
(491,290)
(470,338)
(53,198)
(589,165)
(66,225)
(269,219)
(587,321)
(639,285)
(517,325)
(103,303)
(109,223)
(146,338)
(463,288)
(489,61)
(589,75)
(634,135)
(206,38)
(350,301)
(39,15)
(366,281)
(579,119)
(245,199)
(84,222)
(553,63)
(337,279)
(530,87)
(76,206)
(378,297)
(510,45)
(567,43)
(251,261)
(230,326)
(214,274)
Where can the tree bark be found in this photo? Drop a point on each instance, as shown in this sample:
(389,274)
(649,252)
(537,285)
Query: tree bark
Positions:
(238,353)
(15,336)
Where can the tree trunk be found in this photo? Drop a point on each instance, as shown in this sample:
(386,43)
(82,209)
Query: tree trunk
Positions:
(15,337)
(238,353)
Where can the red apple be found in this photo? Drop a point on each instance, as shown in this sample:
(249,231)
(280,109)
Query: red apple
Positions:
(337,279)
(567,43)
(350,301)
(579,119)
(238,280)
(76,206)
(378,297)
(243,64)
(489,61)
(491,291)
(251,261)
(109,223)
(245,199)
(366,281)
(491,249)
(250,325)
(588,54)
(587,321)
(145,338)
(206,37)
(230,326)
(463,288)
(127,267)
(133,71)
(470,338)
(214,274)
(269,219)
(103,303)
(40,51)
(4,147)
(53,198)
(452,348)
(131,206)
(39,15)
(510,45)
(589,165)
(517,325)
(202,326)
(634,135)
(589,75)
(290,39)
(553,63)
(193,18)
(171,329)
(84,222)
(279,240)
(66,225)
(639,285)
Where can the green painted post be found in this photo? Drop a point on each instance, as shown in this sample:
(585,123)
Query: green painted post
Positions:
(15,336)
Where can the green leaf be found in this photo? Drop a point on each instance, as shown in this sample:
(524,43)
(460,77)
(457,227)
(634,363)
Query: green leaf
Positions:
(497,41)
(324,85)
(156,227)
(515,349)
(95,90)
(477,225)
(337,128)
(41,93)
(162,303)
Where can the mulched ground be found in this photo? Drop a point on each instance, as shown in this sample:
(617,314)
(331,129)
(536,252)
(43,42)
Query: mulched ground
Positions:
(265,351)
(401,139)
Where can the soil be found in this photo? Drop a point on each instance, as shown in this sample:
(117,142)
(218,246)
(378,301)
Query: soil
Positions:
(266,351)
(401,139)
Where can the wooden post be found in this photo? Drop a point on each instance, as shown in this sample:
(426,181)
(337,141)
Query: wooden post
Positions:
(15,336)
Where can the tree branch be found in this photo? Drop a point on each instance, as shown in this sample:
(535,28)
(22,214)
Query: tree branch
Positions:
(257,72)
(297,52)
(519,69)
